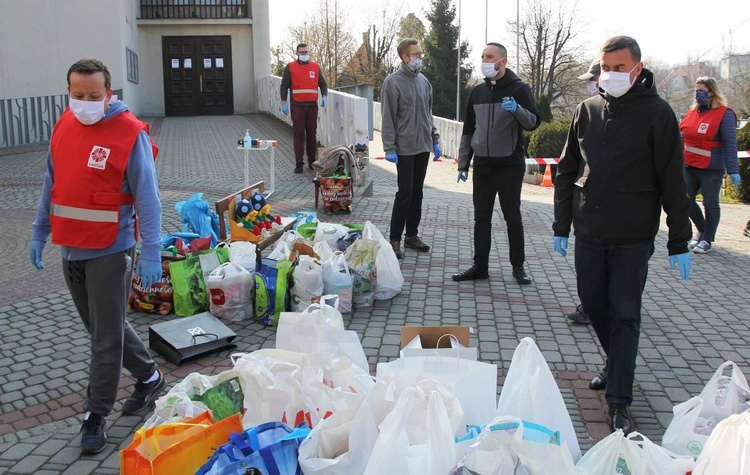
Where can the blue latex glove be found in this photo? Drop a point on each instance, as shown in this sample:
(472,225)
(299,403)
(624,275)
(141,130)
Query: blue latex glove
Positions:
(323,102)
(35,254)
(285,109)
(736,179)
(391,157)
(462,176)
(436,150)
(561,245)
(684,261)
(149,272)
(510,105)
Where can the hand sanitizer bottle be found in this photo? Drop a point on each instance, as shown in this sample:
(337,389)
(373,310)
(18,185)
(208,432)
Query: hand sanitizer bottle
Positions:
(248,140)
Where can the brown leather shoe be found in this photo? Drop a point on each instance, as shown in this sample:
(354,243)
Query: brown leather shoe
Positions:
(415,242)
(396,245)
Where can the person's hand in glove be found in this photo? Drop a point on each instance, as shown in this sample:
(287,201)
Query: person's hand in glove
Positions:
(35,254)
(561,245)
(462,176)
(285,108)
(149,272)
(437,151)
(736,179)
(684,262)
(323,102)
(510,105)
(392,157)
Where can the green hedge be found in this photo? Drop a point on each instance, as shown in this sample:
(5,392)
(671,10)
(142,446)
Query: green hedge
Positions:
(549,139)
(742,192)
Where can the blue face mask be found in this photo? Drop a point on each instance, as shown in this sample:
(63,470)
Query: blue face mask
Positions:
(701,97)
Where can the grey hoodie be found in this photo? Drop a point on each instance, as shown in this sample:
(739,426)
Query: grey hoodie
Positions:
(406,107)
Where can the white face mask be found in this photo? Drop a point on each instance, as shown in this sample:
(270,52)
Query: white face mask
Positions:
(304,58)
(415,64)
(592,87)
(87,112)
(489,71)
(616,84)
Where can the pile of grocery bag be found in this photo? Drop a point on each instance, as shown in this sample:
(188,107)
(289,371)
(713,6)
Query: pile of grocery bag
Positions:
(311,406)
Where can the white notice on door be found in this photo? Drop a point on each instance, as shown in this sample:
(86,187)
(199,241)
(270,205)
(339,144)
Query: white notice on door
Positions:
(206,63)
(175,63)
(219,63)
(188,63)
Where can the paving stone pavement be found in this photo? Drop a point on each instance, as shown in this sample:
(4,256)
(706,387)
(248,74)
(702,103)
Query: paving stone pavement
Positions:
(689,328)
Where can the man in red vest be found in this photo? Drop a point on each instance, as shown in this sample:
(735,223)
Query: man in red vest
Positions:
(100,167)
(304,78)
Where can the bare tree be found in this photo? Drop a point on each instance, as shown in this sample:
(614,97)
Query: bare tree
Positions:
(328,37)
(551,56)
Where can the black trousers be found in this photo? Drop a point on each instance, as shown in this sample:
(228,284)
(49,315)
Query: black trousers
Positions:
(407,208)
(611,279)
(491,179)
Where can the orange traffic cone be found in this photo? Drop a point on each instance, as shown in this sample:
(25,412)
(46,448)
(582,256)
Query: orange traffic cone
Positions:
(547,180)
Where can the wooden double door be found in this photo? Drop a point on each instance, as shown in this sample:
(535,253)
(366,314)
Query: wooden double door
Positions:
(197,75)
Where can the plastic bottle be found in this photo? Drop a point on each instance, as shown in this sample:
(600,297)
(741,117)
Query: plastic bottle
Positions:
(248,140)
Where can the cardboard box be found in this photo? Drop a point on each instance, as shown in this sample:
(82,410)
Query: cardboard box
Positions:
(423,341)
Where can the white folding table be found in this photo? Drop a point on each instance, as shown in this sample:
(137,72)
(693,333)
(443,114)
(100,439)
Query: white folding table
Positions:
(262,146)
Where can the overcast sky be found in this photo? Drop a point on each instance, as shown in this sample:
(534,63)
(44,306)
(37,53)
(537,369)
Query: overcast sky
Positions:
(669,30)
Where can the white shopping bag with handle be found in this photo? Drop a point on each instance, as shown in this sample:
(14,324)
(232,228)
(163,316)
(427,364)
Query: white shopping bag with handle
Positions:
(528,377)
(390,279)
(728,448)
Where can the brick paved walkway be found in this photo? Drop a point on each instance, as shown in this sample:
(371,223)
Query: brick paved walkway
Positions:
(689,328)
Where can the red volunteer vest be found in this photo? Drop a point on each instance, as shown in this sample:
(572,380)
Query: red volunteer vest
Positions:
(304,81)
(697,132)
(89,168)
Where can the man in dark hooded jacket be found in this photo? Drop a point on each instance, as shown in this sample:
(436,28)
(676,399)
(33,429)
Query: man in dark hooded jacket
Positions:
(497,114)
(622,163)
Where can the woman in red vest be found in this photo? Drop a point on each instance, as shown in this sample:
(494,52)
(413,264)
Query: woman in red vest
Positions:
(709,131)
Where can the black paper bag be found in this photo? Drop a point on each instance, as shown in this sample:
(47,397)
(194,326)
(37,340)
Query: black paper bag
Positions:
(187,338)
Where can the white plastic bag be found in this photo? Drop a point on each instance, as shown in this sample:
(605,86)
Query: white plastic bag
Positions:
(695,419)
(389,277)
(473,382)
(728,448)
(414,439)
(361,259)
(230,287)
(318,328)
(322,250)
(330,233)
(659,460)
(529,376)
(244,254)
(613,454)
(337,280)
(281,251)
(725,395)
(308,283)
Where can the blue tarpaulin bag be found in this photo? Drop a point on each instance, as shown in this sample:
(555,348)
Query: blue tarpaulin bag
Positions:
(272,448)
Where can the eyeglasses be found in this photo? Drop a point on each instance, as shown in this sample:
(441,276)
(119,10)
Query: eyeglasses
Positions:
(416,55)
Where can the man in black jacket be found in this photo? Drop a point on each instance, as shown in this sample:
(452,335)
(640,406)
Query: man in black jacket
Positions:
(497,114)
(621,164)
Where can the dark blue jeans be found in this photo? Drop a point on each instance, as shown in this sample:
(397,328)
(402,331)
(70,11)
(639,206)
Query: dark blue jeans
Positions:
(610,280)
(709,184)
(493,179)
(407,207)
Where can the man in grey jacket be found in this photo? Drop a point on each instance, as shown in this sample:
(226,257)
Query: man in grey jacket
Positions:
(497,114)
(409,135)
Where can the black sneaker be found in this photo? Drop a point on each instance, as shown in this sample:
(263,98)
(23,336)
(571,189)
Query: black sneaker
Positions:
(298,168)
(93,437)
(578,317)
(144,395)
(472,273)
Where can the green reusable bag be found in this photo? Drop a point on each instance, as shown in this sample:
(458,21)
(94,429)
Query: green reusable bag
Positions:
(188,279)
(307,230)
